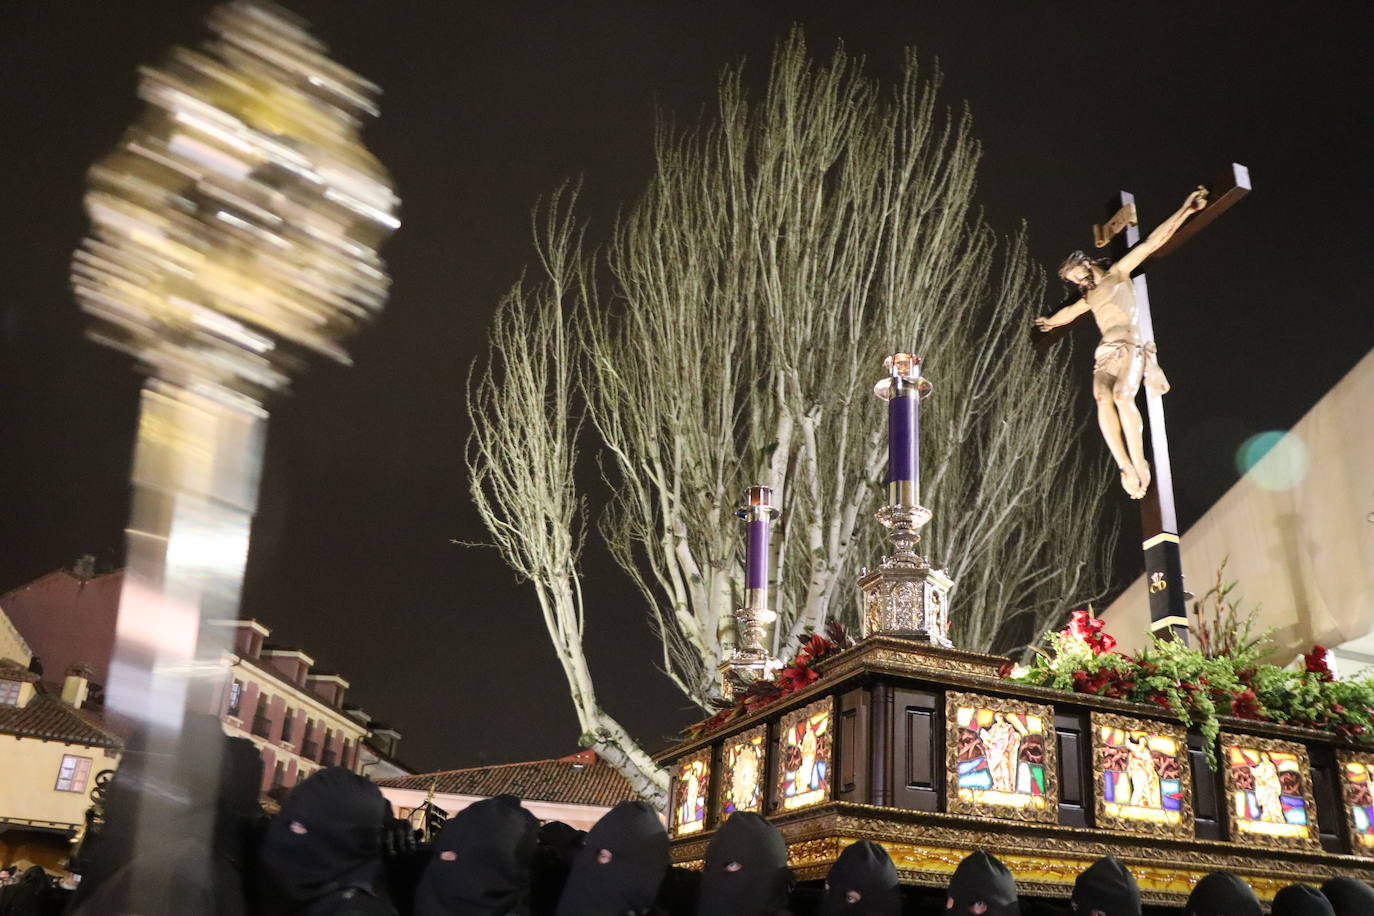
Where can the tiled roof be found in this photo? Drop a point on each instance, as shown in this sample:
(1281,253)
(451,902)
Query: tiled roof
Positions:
(46,716)
(11,670)
(579,779)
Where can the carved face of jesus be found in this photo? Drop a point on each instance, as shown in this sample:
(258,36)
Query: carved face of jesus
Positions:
(1083,274)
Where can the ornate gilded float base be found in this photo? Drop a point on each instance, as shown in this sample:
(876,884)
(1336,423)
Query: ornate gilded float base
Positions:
(927,847)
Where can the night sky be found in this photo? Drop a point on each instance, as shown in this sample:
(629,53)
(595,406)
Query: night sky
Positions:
(486,108)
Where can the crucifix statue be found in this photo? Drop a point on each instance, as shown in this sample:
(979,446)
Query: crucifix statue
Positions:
(1116,295)
(1125,355)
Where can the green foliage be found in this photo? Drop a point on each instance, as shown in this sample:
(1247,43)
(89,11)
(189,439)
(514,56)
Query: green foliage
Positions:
(1219,676)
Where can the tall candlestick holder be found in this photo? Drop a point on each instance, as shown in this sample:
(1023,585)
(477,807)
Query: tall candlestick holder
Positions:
(234,231)
(905,596)
(752,658)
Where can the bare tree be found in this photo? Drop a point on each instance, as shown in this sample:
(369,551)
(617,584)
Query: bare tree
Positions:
(521,457)
(780,251)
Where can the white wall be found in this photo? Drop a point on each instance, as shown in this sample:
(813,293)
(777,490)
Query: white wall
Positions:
(1305,551)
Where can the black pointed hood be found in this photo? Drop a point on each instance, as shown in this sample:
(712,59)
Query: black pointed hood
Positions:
(327,836)
(862,882)
(1349,896)
(620,865)
(1106,885)
(558,845)
(1301,900)
(482,862)
(982,878)
(1222,894)
(745,872)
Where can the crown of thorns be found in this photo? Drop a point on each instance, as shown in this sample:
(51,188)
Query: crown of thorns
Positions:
(1080,257)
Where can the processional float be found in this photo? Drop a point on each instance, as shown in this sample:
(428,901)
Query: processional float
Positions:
(928,750)
(234,233)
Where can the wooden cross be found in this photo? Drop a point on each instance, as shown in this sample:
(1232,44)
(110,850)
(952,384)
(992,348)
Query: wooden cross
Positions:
(1158,516)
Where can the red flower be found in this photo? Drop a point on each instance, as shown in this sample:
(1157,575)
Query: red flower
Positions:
(1083,625)
(1316,663)
(1246,705)
(1006,669)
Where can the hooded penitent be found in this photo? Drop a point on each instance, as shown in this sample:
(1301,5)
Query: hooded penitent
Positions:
(620,864)
(1301,900)
(982,884)
(198,859)
(1222,894)
(745,872)
(326,839)
(862,882)
(1106,887)
(1349,896)
(553,858)
(482,862)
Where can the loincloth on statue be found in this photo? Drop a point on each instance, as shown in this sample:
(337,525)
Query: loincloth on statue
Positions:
(1113,357)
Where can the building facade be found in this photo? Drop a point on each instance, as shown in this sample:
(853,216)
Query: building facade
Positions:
(294,715)
(53,754)
(271,695)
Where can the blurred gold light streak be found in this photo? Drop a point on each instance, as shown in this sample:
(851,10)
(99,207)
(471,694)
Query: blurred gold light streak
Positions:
(234,231)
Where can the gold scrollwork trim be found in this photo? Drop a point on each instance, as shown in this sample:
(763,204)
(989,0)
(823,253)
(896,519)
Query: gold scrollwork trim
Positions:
(1050,869)
(1185,827)
(1359,842)
(956,804)
(1310,837)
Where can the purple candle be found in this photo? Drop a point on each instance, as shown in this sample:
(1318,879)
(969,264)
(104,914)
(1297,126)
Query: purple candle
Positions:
(902,390)
(903,435)
(756,559)
(757,512)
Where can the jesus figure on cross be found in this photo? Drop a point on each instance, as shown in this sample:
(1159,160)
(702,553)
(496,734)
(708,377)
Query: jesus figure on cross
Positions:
(1123,357)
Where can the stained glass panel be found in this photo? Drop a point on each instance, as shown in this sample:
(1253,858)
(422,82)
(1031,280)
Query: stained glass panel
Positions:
(691,783)
(1357,782)
(1143,783)
(804,756)
(1001,758)
(741,772)
(1268,787)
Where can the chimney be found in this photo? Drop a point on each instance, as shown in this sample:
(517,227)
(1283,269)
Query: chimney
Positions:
(76,684)
(84,567)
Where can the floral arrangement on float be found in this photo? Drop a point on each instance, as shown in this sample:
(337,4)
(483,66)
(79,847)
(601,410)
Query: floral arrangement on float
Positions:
(1220,675)
(794,675)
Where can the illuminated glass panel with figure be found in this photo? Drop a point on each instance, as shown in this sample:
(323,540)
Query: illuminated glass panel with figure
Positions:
(1269,789)
(1001,758)
(741,772)
(1141,771)
(804,756)
(691,781)
(1357,788)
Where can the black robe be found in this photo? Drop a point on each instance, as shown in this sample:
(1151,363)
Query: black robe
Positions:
(1349,896)
(1107,886)
(982,879)
(322,853)
(482,862)
(620,865)
(745,872)
(1222,894)
(200,858)
(553,858)
(862,882)
(1301,900)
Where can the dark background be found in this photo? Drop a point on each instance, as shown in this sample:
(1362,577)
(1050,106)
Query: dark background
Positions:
(487,107)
